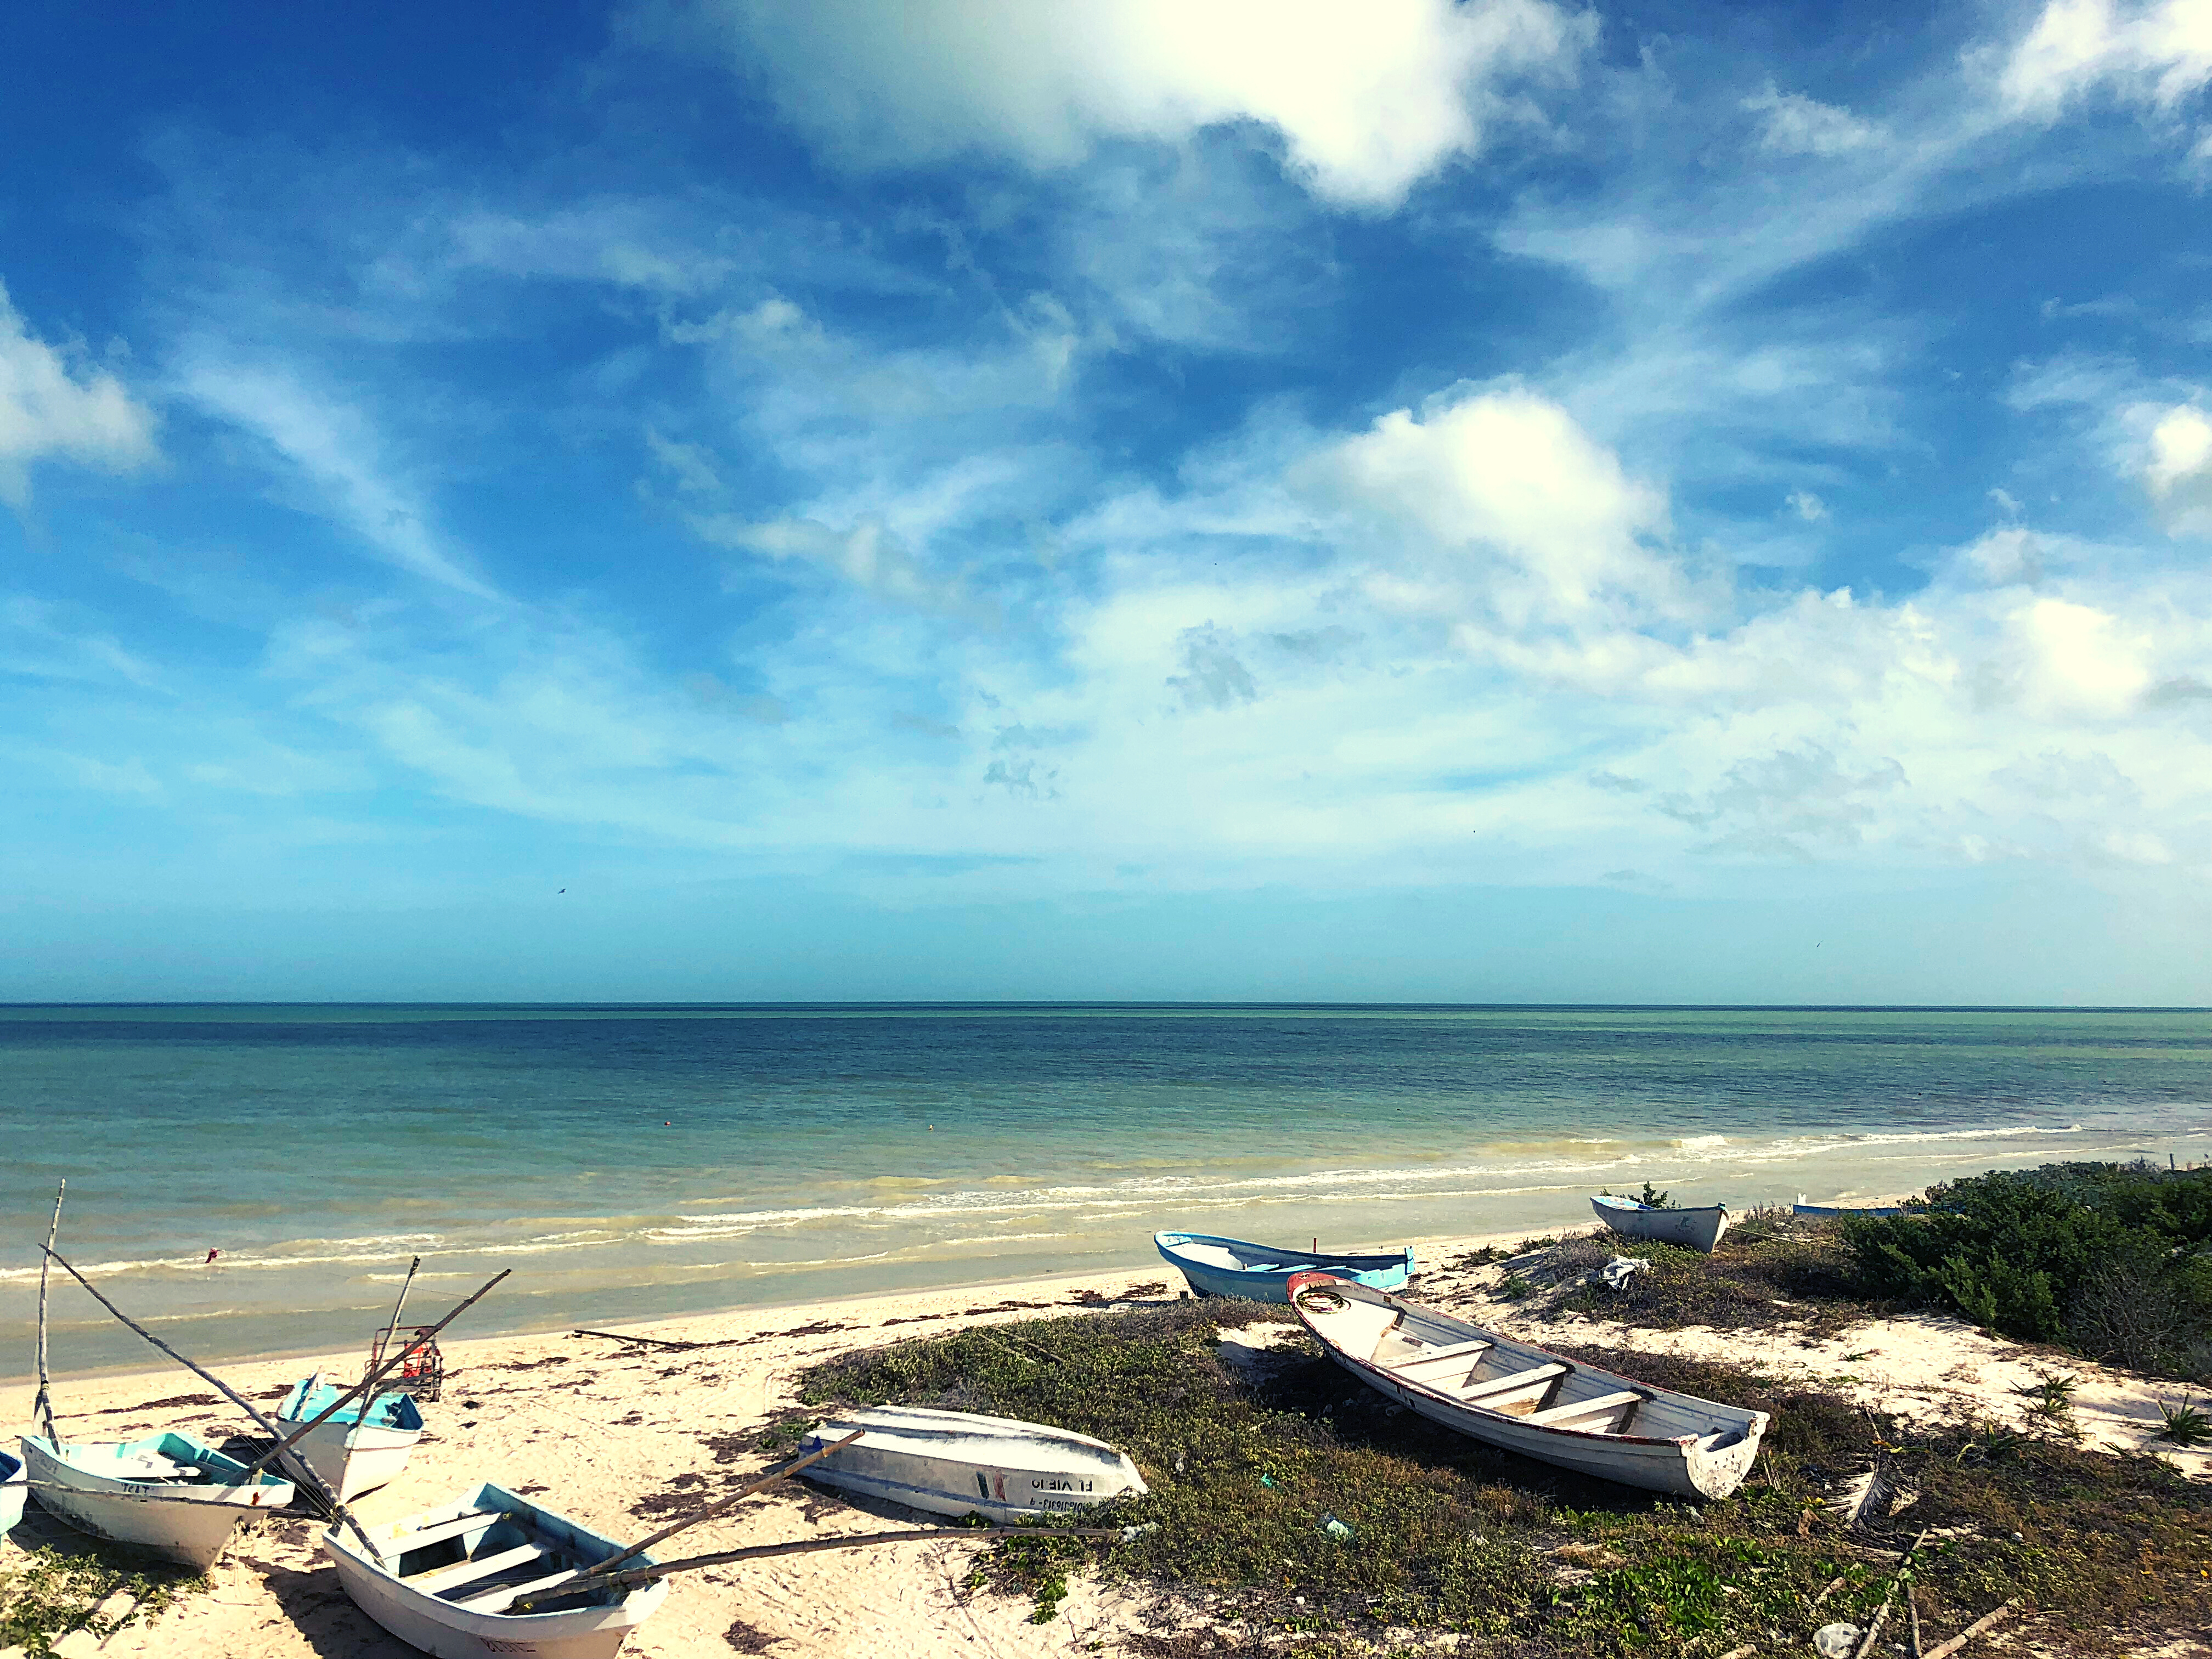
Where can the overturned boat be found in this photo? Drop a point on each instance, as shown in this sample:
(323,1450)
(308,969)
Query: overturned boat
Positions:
(450,1574)
(1697,1229)
(1524,1399)
(169,1494)
(1261,1272)
(357,1448)
(958,1463)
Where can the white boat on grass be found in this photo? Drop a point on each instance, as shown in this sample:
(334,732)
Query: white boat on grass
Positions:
(957,1463)
(15,1486)
(356,1449)
(169,1494)
(450,1575)
(1697,1229)
(1524,1399)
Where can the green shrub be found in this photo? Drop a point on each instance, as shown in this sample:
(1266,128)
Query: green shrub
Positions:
(2108,1259)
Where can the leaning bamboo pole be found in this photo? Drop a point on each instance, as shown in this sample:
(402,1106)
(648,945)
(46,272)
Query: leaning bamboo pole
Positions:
(43,1408)
(720,1505)
(367,1385)
(314,1482)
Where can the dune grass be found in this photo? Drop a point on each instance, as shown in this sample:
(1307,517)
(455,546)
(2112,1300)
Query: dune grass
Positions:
(47,1592)
(1247,1466)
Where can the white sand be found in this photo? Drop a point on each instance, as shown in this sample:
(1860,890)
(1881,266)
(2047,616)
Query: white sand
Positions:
(595,1427)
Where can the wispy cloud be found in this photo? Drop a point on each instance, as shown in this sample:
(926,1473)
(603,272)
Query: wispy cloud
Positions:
(52,407)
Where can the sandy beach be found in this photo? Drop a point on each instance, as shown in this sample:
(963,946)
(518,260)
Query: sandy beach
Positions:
(599,1427)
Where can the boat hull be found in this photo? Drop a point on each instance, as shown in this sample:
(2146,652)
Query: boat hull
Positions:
(1699,1448)
(179,1524)
(1697,1229)
(956,1463)
(15,1486)
(1261,1272)
(349,1456)
(442,1628)
(1800,1207)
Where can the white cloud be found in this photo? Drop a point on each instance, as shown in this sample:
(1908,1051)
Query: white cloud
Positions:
(2179,452)
(1369,99)
(1798,126)
(2156,53)
(1808,505)
(1504,491)
(339,454)
(48,408)
(2005,557)
(2075,659)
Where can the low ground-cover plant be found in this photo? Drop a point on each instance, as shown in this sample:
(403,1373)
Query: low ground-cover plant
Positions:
(2114,1261)
(46,1592)
(1770,1275)
(1437,1533)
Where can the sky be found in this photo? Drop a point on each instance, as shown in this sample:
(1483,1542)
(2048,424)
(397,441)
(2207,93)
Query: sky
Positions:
(718,500)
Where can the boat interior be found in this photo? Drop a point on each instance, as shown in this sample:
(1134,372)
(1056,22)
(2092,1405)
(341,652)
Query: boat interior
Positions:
(168,1460)
(1489,1374)
(484,1560)
(387,1411)
(1240,1257)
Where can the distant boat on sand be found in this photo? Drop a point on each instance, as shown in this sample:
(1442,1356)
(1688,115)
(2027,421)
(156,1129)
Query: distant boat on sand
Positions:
(1259,1272)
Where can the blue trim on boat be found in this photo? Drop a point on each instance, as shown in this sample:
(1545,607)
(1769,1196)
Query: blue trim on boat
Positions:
(1265,1274)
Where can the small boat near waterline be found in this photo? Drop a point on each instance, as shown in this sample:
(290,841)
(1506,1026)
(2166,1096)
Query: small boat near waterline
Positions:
(1697,1229)
(1259,1272)
(1800,1207)
(1521,1398)
(169,1494)
(15,1486)
(357,1448)
(450,1573)
(958,1463)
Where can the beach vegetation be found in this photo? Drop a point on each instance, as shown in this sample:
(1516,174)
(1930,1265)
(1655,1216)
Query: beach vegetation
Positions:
(1774,1273)
(2183,1423)
(1248,1462)
(46,1592)
(2112,1260)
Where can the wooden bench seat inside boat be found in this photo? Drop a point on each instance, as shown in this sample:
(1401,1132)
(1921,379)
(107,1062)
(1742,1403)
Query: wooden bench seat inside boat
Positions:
(1623,1403)
(506,1595)
(1497,1388)
(1427,1357)
(439,1531)
(436,1579)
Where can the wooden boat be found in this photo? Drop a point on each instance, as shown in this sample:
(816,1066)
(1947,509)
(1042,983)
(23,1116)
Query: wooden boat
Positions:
(1524,1399)
(956,1463)
(355,1449)
(1800,1207)
(450,1573)
(1698,1229)
(169,1494)
(1259,1273)
(15,1486)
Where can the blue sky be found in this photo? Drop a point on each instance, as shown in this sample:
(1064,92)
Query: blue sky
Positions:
(1499,501)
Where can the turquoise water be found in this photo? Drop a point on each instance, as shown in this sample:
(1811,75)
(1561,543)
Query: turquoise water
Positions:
(636,1163)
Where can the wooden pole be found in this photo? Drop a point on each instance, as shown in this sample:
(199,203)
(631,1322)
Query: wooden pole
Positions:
(632,1575)
(309,1478)
(400,1307)
(720,1507)
(1945,1650)
(43,1408)
(366,1383)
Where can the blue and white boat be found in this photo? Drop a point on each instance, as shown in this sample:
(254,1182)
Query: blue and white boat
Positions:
(169,1493)
(15,1486)
(1800,1207)
(355,1449)
(1261,1272)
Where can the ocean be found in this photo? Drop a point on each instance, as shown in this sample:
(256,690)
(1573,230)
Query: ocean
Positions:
(639,1163)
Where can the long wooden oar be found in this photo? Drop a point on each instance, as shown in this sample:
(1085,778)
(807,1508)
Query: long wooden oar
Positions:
(721,1505)
(43,1408)
(367,1383)
(313,1481)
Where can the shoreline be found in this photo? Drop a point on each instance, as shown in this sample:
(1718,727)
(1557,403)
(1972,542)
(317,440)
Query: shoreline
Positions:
(608,1430)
